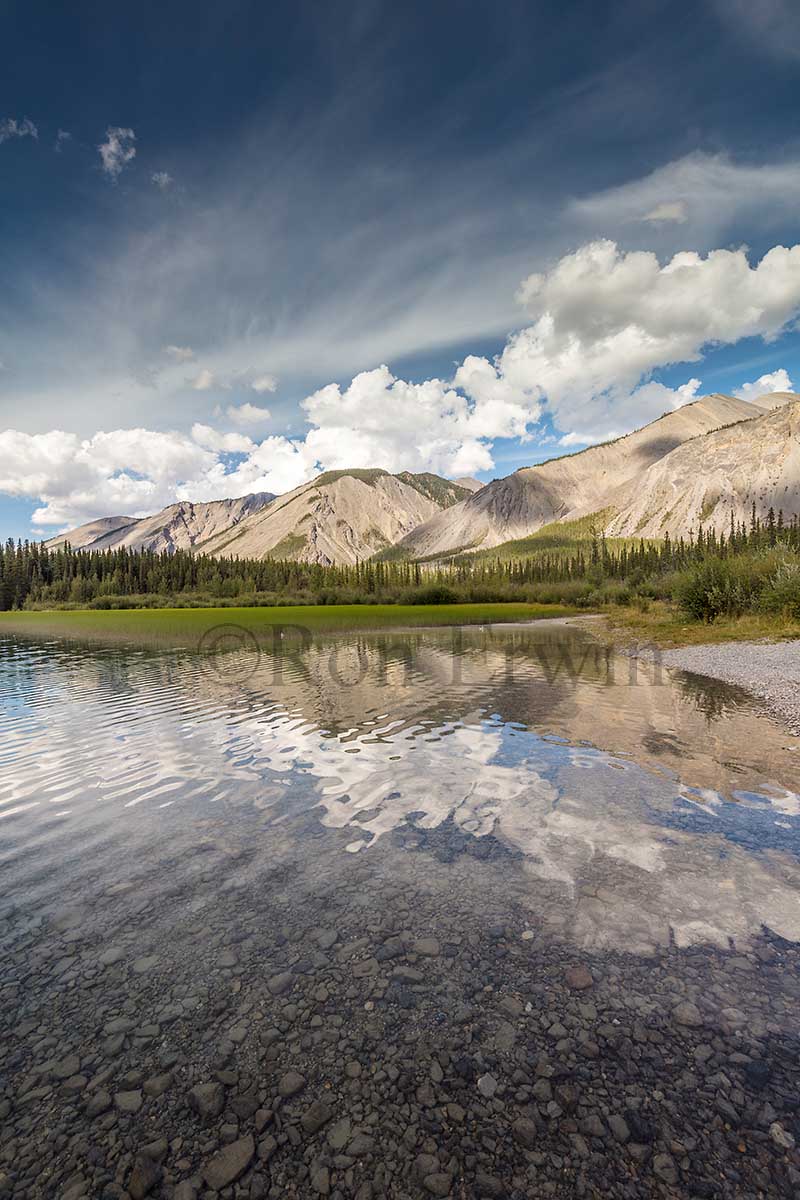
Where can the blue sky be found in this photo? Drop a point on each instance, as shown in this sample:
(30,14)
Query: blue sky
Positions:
(213,218)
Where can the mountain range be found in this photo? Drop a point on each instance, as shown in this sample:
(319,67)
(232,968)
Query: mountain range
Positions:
(695,465)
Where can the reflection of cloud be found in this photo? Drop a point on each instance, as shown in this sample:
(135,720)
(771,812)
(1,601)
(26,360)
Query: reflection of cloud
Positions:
(601,852)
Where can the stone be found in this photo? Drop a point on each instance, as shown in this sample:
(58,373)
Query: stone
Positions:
(113,954)
(578,978)
(361,1144)
(339,1134)
(321,1180)
(143,966)
(781,1137)
(279,985)
(525,1132)
(489,1187)
(99,1103)
(316,1116)
(230,1164)
(438,1184)
(664,1168)
(428,948)
(184,1191)
(619,1127)
(687,1014)
(66,1067)
(207,1100)
(487,1086)
(290,1084)
(157,1084)
(128,1102)
(512,1007)
(145,1175)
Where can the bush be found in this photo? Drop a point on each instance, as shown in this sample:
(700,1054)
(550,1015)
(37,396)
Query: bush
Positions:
(436,593)
(782,593)
(720,587)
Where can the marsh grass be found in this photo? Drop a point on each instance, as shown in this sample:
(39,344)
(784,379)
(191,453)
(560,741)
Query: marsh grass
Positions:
(186,626)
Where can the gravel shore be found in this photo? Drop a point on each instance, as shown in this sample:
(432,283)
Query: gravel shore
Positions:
(768,670)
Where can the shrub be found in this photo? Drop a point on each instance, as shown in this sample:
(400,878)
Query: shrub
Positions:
(782,593)
(719,587)
(436,593)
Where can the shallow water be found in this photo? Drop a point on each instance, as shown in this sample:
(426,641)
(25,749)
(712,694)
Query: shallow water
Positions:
(441,783)
(636,805)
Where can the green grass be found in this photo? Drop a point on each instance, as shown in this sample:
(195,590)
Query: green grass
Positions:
(665,626)
(185,626)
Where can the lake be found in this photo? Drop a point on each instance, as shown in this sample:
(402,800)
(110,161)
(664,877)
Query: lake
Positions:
(471,912)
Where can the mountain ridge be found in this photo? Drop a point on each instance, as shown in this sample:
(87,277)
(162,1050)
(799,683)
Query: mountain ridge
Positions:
(569,486)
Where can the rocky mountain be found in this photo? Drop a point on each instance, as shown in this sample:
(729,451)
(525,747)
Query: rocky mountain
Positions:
(571,486)
(181,526)
(339,517)
(707,478)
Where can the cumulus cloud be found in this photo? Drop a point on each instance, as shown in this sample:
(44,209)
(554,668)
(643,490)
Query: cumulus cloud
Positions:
(248,414)
(605,319)
(10,128)
(775,381)
(264,383)
(227,443)
(162,180)
(179,353)
(117,151)
(669,211)
(602,321)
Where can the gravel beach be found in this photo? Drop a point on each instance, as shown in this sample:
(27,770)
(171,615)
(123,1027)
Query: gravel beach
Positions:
(768,670)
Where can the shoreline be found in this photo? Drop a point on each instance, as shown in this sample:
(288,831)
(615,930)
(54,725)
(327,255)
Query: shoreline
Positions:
(769,671)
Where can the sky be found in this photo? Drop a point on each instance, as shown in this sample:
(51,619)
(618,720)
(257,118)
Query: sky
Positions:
(243,243)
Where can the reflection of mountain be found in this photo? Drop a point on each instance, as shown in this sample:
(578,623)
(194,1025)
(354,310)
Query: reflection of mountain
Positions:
(388,733)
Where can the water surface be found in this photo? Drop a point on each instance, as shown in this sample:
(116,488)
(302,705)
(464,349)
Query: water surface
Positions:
(628,806)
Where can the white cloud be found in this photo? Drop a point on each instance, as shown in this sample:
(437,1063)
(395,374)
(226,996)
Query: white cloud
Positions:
(716,195)
(228,443)
(117,151)
(264,383)
(203,381)
(180,353)
(668,211)
(776,381)
(62,137)
(10,128)
(162,179)
(248,414)
(605,319)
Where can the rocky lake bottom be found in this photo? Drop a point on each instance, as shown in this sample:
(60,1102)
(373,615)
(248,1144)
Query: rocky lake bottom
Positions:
(454,913)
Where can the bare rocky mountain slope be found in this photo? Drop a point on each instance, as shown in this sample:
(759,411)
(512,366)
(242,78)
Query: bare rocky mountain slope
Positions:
(572,486)
(180,526)
(339,517)
(705,480)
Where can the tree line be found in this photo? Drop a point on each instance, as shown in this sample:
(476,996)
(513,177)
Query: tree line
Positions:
(33,575)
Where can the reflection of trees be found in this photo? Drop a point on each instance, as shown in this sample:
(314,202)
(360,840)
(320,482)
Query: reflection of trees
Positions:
(712,697)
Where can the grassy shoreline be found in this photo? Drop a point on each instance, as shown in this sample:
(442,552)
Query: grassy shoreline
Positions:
(182,625)
(664,626)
